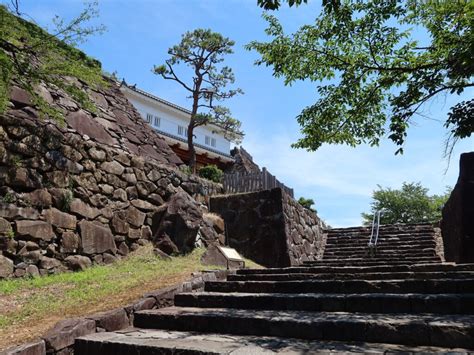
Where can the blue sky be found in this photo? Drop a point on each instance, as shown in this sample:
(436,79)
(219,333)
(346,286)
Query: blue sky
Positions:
(340,179)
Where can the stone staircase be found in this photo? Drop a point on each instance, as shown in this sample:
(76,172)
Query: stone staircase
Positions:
(401,299)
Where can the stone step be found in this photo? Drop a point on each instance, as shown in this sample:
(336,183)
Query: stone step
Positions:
(404,236)
(405,329)
(329,302)
(360,269)
(385,241)
(348,276)
(137,341)
(367,262)
(345,286)
(383,228)
(371,261)
(380,247)
(402,247)
(393,245)
(379,253)
(384,257)
(382,231)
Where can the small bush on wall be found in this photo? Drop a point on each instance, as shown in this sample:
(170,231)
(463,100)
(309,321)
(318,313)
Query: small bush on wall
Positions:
(211,172)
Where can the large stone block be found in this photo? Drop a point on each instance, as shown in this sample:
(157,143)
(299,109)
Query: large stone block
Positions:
(5,227)
(135,217)
(6,267)
(112,320)
(37,230)
(13,212)
(65,332)
(39,198)
(34,348)
(78,262)
(81,208)
(112,167)
(179,220)
(60,219)
(70,242)
(96,238)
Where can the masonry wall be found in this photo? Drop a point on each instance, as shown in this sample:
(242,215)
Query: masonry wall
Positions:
(457,225)
(270,227)
(67,202)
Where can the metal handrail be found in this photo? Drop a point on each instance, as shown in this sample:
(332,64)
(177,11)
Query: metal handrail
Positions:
(374,238)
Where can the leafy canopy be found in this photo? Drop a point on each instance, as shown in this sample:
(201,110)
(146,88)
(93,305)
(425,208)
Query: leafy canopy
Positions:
(373,76)
(30,56)
(410,204)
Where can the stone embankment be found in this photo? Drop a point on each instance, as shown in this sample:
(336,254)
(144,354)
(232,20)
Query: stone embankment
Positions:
(84,192)
(270,227)
(348,301)
(458,222)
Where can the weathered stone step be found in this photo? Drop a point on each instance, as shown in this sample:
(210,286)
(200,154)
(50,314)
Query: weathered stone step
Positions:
(430,246)
(406,329)
(382,232)
(330,302)
(345,286)
(386,241)
(380,253)
(137,341)
(361,269)
(371,261)
(348,276)
(393,245)
(384,228)
(387,258)
(362,236)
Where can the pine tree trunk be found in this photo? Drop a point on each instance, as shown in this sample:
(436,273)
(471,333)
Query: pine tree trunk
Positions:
(192,151)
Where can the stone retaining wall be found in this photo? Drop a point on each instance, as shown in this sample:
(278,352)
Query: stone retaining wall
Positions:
(67,202)
(457,225)
(270,227)
(60,339)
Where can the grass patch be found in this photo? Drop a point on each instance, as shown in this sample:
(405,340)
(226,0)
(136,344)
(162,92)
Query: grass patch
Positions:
(31,306)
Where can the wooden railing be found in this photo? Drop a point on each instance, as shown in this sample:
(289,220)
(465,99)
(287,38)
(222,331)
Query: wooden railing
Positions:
(249,182)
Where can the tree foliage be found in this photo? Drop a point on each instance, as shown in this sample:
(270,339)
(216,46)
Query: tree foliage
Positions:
(202,51)
(275,4)
(410,204)
(30,56)
(307,203)
(211,172)
(373,75)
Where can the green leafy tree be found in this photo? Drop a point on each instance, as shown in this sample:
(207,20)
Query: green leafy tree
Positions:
(307,203)
(410,204)
(202,51)
(275,4)
(374,77)
(30,56)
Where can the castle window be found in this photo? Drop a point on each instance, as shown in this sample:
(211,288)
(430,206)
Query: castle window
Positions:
(149,117)
(182,131)
(157,121)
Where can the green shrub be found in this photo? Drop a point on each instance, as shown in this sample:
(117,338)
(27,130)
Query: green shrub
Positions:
(307,203)
(211,172)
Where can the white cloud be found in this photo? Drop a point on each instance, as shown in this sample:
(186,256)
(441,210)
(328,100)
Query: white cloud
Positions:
(341,179)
